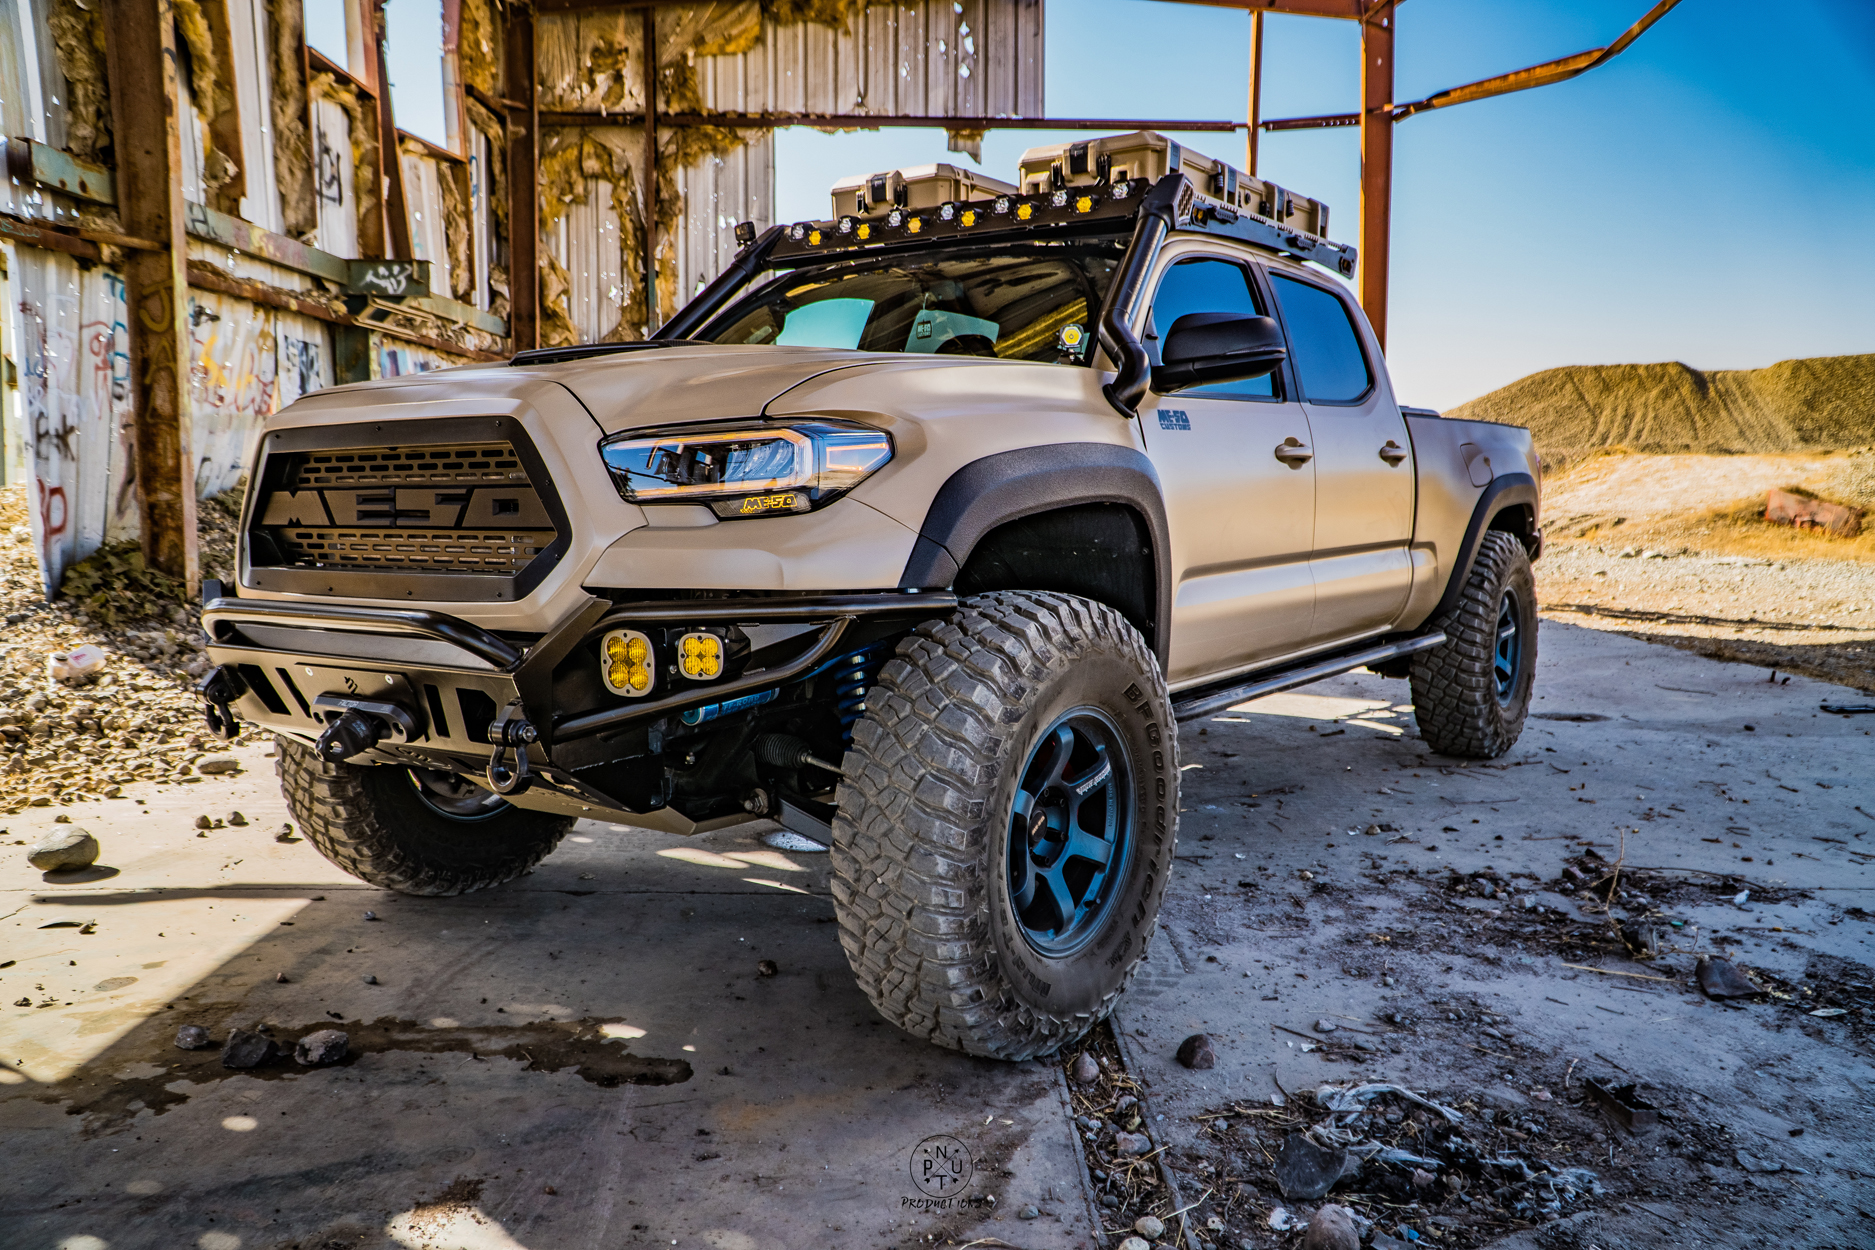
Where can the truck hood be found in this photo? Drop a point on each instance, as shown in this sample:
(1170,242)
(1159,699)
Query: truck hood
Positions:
(663,385)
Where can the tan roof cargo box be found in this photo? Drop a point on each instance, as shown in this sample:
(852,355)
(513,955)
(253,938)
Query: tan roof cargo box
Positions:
(1149,154)
(922,186)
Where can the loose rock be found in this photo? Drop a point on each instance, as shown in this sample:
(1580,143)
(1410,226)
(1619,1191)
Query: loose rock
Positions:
(236,819)
(1151,1227)
(1135,1243)
(1197,1051)
(191,1037)
(1720,978)
(216,765)
(1085,1071)
(285,834)
(203,822)
(1129,1145)
(767,968)
(1325,1025)
(64,851)
(1027,1212)
(1332,1228)
(247,1050)
(1305,1170)
(316,1050)
(369,979)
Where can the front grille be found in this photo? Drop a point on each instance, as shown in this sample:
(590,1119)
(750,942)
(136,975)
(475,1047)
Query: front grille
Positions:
(396,466)
(466,499)
(435,551)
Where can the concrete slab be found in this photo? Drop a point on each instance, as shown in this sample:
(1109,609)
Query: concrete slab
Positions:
(587,1057)
(1675,761)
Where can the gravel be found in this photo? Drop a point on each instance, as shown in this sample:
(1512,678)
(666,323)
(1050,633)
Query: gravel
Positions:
(140,720)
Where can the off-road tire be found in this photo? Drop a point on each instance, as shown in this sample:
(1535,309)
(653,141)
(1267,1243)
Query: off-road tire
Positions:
(924,814)
(1455,691)
(368,820)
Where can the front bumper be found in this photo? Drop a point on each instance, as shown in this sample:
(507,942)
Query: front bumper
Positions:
(464,691)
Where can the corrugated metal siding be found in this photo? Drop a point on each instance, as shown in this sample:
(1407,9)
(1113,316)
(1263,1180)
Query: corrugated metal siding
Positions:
(718,192)
(586,243)
(945,58)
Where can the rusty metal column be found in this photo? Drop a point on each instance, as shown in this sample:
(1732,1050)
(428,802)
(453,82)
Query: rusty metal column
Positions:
(651,171)
(1256,91)
(1376,163)
(396,207)
(523,179)
(140,57)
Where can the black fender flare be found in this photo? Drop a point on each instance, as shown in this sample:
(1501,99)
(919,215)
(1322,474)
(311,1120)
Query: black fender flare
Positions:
(1011,485)
(1509,490)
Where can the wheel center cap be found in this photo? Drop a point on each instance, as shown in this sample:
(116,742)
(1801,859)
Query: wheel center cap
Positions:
(1038,826)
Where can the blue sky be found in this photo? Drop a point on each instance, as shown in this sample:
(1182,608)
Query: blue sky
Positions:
(1708,196)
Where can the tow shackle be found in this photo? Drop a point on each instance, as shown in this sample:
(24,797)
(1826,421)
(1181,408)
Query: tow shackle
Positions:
(516,731)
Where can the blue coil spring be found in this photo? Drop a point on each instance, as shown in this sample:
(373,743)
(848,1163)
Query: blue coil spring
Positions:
(853,675)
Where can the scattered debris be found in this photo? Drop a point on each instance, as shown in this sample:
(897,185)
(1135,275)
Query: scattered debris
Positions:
(1151,1227)
(76,667)
(1084,1070)
(1332,1228)
(64,851)
(216,765)
(1197,1051)
(245,1049)
(192,1037)
(767,968)
(1720,978)
(285,834)
(368,979)
(236,819)
(1325,1025)
(1807,512)
(327,1046)
(1305,1170)
(1623,1104)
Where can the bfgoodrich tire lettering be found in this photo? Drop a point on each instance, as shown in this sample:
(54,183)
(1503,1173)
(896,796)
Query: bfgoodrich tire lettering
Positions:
(373,822)
(921,854)
(1471,695)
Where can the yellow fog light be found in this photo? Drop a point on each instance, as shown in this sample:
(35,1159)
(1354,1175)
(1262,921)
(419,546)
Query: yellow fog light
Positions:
(1024,211)
(627,655)
(700,656)
(969,217)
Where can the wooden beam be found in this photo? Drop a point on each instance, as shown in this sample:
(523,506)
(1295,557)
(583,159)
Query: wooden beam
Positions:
(523,132)
(390,158)
(880,121)
(650,201)
(1350,10)
(1376,164)
(140,57)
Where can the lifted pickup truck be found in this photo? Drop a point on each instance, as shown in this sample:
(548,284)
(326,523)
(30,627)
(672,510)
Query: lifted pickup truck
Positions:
(919,531)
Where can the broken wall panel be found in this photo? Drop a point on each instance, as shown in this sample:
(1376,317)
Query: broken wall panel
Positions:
(716,192)
(32,95)
(72,340)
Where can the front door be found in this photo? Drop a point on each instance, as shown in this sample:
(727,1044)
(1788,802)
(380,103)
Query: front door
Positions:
(1240,510)
(1363,465)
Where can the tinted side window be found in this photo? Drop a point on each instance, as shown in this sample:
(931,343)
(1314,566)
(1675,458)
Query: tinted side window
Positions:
(1204,285)
(1322,342)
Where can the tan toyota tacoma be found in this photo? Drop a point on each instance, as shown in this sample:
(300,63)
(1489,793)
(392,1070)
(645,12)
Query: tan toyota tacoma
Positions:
(918,532)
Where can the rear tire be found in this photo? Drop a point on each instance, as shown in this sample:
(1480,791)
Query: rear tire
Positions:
(410,830)
(1007,823)
(1472,694)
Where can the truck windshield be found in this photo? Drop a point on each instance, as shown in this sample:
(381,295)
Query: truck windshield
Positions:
(1035,304)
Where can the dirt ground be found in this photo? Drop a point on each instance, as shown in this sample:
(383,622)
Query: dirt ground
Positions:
(1674,550)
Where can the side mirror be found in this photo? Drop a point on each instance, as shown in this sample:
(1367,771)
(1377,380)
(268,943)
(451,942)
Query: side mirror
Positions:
(1202,348)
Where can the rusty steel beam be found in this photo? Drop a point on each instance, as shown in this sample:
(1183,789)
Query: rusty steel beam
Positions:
(1256,93)
(522,106)
(1349,10)
(1560,70)
(878,121)
(1376,164)
(140,57)
(1323,121)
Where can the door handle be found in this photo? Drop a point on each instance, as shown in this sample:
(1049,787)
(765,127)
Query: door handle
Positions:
(1393,453)
(1293,452)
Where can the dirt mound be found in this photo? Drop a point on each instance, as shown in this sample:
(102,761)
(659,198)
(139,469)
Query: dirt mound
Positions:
(1827,403)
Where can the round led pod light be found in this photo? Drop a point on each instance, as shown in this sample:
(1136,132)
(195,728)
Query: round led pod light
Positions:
(700,656)
(625,659)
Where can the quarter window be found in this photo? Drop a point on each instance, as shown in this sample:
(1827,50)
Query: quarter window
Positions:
(1323,343)
(1203,284)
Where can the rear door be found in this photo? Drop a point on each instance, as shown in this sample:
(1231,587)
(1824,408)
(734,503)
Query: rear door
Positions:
(1362,567)
(1241,518)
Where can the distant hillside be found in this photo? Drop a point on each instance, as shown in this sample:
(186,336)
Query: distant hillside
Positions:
(1795,405)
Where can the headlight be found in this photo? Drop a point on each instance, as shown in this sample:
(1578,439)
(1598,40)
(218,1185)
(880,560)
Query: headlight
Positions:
(744,471)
